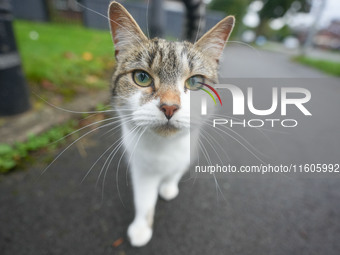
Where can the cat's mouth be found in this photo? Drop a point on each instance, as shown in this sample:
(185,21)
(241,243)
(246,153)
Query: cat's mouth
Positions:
(166,129)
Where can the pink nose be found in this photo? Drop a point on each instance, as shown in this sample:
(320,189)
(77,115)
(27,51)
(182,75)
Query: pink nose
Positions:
(168,110)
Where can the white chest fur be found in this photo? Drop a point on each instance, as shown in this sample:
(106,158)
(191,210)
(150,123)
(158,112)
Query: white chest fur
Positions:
(152,153)
(156,164)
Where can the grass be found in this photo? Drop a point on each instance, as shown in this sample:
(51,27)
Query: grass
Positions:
(326,66)
(36,146)
(64,59)
(59,61)
(12,156)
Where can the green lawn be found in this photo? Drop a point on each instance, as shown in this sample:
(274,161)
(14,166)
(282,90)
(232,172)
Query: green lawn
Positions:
(59,62)
(326,66)
(64,59)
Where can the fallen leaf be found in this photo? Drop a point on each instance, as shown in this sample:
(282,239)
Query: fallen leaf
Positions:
(90,79)
(48,85)
(117,242)
(87,56)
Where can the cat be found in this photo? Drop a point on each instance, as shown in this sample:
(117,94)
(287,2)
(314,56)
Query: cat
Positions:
(151,88)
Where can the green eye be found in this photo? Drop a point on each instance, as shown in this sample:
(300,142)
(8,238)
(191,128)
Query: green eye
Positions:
(142,78)
(194,82)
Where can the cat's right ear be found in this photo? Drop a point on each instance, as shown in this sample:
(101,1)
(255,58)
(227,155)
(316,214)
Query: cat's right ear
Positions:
(124,29)
(213,41)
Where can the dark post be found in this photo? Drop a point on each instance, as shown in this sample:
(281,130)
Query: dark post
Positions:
(195,19)
(13,89)
(156,18)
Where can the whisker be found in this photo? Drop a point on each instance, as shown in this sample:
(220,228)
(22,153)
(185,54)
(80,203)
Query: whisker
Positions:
(248,45)
(91,131)
(218,189)
(216,142)
(106,17)
(244,139)
(108,158)
(66,110)
(102,154)
(198,29)
(128,165)
(117,173)
(147,18)
(126,119)
(107,167)
(89,125)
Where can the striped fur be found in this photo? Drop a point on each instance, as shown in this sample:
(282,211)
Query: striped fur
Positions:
(158,145)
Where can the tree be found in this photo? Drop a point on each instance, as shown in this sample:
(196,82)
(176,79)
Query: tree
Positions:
(273,9)
(238,8)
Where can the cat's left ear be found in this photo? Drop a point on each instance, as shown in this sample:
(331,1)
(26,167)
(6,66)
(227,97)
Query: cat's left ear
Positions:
(124,29)
(213,41)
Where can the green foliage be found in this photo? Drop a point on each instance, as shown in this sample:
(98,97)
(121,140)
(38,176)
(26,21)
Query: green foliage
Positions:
(283,33)
(102,107)
(65,59)
(276,35)
(326,66)
(277,8)
(7,154)
(231,7)
(238,8)
(12,155)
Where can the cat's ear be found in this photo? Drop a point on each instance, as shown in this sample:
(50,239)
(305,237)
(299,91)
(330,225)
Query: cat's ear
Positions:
(213,41)
(124,29)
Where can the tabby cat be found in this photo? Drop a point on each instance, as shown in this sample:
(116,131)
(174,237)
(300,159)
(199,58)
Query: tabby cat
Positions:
(152,83)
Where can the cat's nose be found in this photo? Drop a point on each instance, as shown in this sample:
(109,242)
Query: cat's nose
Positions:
(169,110)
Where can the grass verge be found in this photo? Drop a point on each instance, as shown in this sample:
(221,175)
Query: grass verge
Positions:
(62,59)
(59,62)
(36,146)
(326,66)
(12,156)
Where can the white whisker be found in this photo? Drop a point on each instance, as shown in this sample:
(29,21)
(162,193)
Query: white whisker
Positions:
(106,17)
(91,131)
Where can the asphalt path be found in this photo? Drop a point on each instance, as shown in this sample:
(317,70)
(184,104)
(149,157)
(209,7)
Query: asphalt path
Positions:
(55,213)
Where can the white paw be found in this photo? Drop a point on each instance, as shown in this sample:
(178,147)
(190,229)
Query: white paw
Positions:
(139,234)
(168,191)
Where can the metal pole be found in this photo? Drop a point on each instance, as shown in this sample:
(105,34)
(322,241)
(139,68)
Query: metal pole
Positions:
(156,18)
(313,29)
(195,19)
(13,89)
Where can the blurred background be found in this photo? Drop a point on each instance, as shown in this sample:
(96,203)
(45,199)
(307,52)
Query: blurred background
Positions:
(56,60)
(70,62)
(58,39)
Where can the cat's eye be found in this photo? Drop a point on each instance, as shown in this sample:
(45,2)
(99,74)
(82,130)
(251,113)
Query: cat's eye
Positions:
(194,82)
(142,78)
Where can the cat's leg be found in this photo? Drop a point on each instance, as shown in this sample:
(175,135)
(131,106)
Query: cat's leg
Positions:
(145,187)
(169,186)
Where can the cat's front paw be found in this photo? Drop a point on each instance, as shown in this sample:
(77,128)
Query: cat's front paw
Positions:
(139,234)
(168,191)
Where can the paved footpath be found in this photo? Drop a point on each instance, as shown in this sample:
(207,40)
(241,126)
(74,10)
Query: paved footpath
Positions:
(260,214)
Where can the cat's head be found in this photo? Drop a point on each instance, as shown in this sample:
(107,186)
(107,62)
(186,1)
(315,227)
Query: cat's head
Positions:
(154,78)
